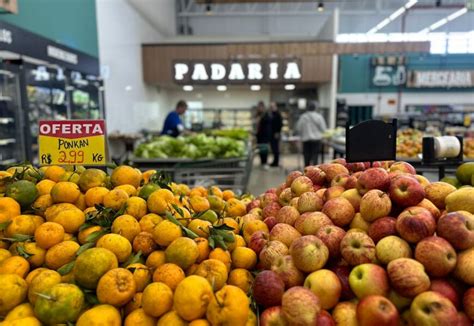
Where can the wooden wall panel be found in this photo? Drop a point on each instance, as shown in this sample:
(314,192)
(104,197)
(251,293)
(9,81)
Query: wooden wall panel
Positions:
(316,56)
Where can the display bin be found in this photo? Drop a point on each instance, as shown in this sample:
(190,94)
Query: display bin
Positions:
(229,173)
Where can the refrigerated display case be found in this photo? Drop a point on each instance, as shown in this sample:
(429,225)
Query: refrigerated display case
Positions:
(86,96)
(11,135)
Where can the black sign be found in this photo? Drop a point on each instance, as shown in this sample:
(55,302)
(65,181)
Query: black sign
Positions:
(23,42)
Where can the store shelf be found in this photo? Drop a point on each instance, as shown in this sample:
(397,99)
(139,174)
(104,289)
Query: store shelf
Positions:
(5,98)
(7,141)
(6,73)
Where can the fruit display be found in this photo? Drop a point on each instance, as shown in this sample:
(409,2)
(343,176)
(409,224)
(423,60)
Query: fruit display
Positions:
(409,143)
(192,147)
(365,244)
(78,246)
(468,147)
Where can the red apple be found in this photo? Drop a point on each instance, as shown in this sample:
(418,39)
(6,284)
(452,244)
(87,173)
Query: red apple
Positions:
(280,188)
(344,180)
(357,248)
(320,192)
(268,198)
(272,250)
(332,236)
(301,185)
(406,191)
(340,160)
(376,310)
(343,273)
(408,277)
(463,320)
(309,253)
(268,289)
(381,228)
(375,204)
(468,303)
(357,175)
(368,279)
(270,221)
(437,255)
(339,210)
(253,204)
(292,176)
(353,196)
(431,308)
(317,176)
(300,306)
(285,197)
(294,202)
(458,229)
(373,178)
(286,269)
(273,316)
(271,210)
(403,167)
(287,215)
(333,192)
(309,202)
(310,223)
(325,319)
(415,223)
(332,170)
(284,233)
(445,288)
(258,240)
(355,167)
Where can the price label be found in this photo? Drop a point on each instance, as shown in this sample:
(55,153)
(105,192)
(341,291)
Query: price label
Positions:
(72,142)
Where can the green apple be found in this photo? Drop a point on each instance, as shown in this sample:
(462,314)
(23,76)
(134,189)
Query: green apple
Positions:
(368,279)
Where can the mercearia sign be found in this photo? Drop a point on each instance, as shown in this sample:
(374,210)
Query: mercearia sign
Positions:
(237,72)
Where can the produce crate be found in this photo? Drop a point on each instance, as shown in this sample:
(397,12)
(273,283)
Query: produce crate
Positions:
(226,173)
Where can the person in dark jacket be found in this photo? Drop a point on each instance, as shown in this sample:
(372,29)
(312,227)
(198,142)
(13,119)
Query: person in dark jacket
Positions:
(173,125)
(277,124)
(264,133)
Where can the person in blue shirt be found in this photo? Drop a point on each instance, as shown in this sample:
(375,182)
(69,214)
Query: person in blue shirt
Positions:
(173,126)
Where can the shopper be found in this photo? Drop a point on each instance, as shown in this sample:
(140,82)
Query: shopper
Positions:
(310,127)
(277,124)
(264,133)
(173,125)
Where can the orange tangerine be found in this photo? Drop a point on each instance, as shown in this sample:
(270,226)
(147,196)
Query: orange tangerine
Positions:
(44,186)
(126,175)
(136,207)
(95,196)
(115,199)
(129,189)
(149,221)
(54,173)
(127,226)
(169,274)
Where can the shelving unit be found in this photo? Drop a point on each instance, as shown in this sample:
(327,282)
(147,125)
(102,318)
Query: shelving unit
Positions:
(11,135)
(212,118)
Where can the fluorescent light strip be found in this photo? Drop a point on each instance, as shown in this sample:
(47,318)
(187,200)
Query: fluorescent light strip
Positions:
(188,88)
(255,88)
(221,88)
(444,21)
(290,87)
(392,17)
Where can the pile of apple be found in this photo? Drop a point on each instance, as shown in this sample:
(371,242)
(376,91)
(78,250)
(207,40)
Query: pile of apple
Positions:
(362,244)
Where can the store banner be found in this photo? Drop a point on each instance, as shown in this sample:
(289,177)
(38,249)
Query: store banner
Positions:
(72,142)
(440,78)
(25,43)
(241,71)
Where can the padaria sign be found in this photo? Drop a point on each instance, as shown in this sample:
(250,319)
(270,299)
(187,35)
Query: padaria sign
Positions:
(241,71)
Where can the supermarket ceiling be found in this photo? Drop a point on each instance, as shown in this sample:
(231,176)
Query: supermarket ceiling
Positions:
(290,19)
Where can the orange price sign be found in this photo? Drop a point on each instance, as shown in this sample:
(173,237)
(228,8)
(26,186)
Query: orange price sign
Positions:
(72,142)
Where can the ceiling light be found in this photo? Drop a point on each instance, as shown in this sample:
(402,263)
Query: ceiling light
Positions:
(321,6)
(188,88)
(290,87)
(444,21)
(221,88)
(392,17)
(255,88)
